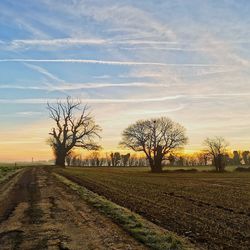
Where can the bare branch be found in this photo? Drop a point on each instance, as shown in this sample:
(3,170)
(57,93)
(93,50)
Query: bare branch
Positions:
(72,129)
(155,137)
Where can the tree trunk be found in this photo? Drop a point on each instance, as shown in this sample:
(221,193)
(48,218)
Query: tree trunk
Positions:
(155,165)
(157,169)
(219,163)
(60,159)
(151,164)
(215,163)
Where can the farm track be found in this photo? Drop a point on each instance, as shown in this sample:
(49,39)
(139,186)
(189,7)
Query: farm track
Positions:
(207,224)
(39,212)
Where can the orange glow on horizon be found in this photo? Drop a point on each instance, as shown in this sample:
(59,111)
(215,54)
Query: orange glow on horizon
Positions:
(27,142)
(42,152)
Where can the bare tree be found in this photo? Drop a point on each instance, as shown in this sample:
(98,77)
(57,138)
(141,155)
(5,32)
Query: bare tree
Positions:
(96,160)
(245,156)
(236,158)
(217,148)
(108,160)
(125,159)
(171,159)
(156,138)
(115,159)
(69,158)
(71,130)
(203,158)
(132,160)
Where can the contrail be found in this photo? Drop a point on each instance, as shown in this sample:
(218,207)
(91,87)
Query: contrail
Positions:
(78,86)
(44,101)
(87,61)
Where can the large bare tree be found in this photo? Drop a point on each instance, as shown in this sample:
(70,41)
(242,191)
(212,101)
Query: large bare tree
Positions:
(156,138)
(217,147)
(74,127)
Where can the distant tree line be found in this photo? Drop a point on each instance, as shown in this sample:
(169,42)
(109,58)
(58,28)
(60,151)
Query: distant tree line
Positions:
(116,159)
(236,158)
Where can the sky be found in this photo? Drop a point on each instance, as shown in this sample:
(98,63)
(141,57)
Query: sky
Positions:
(188,60)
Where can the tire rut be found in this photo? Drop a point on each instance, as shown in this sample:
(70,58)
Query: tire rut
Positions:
(18,194)
(42,213)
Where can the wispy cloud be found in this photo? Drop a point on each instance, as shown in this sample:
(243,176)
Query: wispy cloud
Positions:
(155,112)
(44,72)
(83,41)
(88,41)
(120,16)
(94,100)
(164,48)
(87,61)
(28,113)
(56,42)
(48,86)
(22,114)
(14,86)
(130,60)
(34,141)
(78,86)
(128,44)
(10,15)
(126,100)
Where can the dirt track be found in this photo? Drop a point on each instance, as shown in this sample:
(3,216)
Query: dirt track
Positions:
(38,212)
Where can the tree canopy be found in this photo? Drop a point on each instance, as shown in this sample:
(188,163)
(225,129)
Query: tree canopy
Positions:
(156,138)
(74,127)
(217,148)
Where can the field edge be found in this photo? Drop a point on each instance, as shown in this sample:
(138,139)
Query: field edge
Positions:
(138,227)
(7,175)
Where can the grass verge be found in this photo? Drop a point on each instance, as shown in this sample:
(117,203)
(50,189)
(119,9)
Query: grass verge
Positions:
(7,172)
(144,231)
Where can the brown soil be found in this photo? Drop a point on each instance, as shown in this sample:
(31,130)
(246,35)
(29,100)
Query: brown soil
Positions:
(38,212)
(210,217)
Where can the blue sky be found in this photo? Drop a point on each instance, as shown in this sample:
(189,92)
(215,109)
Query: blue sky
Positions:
(129,60)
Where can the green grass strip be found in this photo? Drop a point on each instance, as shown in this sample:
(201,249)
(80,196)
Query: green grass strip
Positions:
(144,231)
(7,172)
